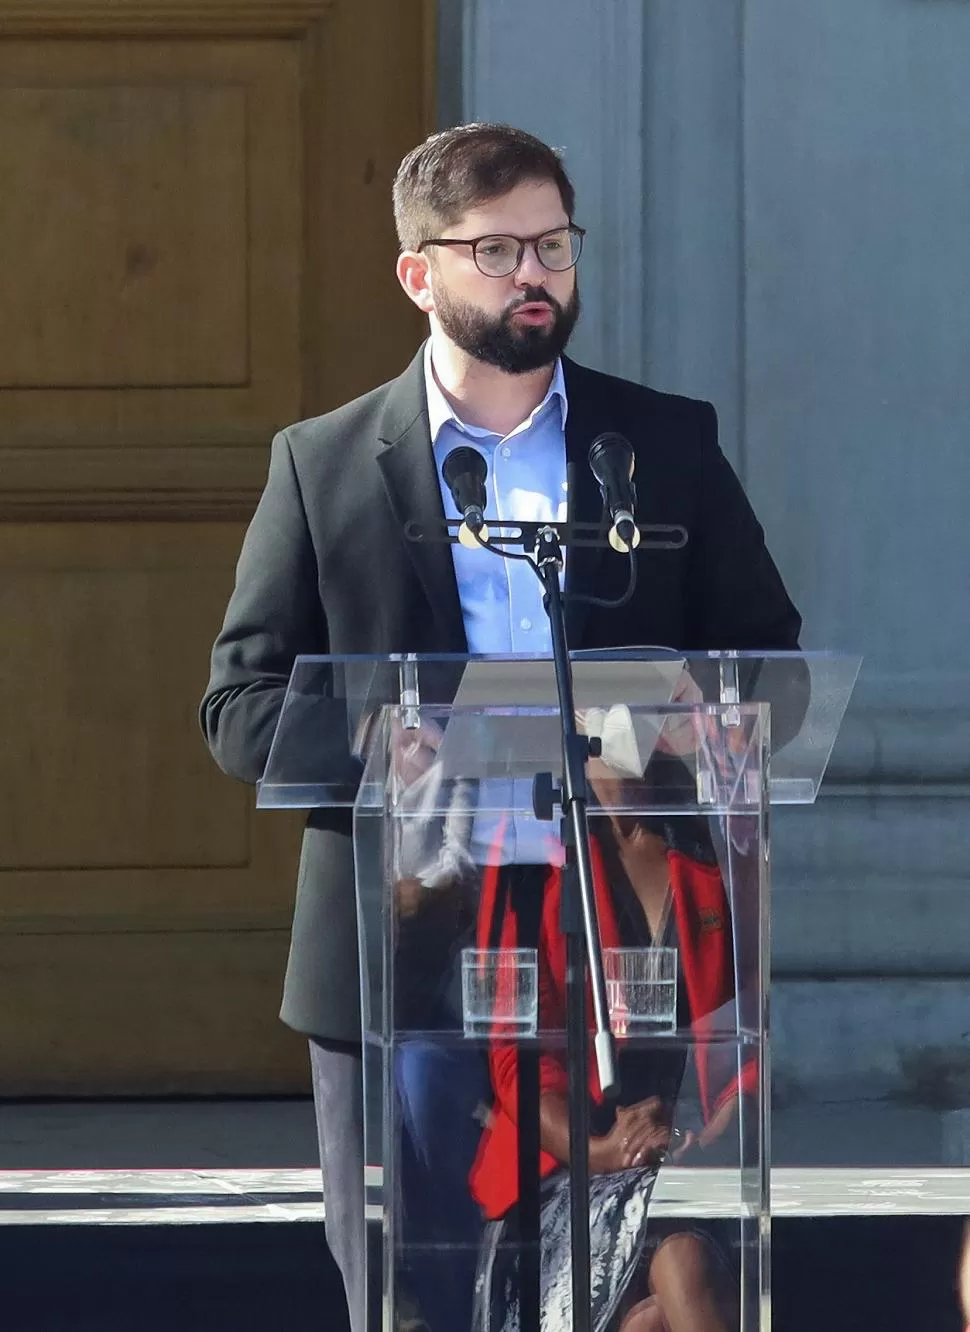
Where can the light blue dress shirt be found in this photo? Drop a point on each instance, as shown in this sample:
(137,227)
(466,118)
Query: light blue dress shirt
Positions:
(501,600)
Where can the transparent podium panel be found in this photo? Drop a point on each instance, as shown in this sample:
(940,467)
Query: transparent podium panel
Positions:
(450,766)
(464,1006)
(331,704)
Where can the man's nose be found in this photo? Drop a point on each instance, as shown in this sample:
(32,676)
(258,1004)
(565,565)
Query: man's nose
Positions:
(530,273)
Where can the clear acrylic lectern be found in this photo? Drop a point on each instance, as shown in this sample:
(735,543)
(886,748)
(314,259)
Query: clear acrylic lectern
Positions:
(447,764)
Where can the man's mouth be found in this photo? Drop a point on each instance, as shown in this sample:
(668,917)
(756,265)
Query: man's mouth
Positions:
(536,312)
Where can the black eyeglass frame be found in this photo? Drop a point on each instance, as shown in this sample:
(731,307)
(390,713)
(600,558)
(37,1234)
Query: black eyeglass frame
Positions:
(521,241)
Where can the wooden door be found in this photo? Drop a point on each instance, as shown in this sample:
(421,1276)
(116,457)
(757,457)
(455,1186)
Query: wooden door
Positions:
(196,248)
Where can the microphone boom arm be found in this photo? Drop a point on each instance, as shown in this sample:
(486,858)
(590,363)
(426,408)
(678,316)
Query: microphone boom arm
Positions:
(653,536)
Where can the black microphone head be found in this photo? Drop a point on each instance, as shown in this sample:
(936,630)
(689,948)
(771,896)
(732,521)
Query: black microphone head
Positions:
(465,471)
(610,450)
(611,461)
(464,462)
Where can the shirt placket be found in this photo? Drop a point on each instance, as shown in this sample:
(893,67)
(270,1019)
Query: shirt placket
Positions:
(525,592)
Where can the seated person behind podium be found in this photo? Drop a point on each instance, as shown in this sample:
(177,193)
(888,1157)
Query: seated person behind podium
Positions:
(656,883)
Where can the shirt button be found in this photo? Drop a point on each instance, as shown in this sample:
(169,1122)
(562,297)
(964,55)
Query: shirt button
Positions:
(506,451)
(526,623)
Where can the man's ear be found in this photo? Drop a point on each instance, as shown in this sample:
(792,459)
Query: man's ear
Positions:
(413,273)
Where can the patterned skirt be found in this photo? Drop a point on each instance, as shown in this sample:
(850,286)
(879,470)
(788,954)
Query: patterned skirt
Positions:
(618,1243)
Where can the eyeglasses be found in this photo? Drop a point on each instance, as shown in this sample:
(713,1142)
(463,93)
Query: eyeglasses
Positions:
(498,256)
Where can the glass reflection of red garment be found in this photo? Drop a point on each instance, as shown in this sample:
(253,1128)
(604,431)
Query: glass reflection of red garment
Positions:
(704,938)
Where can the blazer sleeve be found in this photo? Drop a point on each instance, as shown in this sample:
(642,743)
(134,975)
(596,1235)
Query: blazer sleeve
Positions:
(274,614)
(736,598)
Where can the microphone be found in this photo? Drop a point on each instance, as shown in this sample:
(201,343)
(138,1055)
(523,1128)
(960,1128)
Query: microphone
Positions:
(464,471)
(611,462)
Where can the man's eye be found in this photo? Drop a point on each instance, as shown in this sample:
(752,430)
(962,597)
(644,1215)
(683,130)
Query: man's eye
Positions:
(493,248)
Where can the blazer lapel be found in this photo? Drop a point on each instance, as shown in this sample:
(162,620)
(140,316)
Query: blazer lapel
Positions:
(586,419)
(411,480)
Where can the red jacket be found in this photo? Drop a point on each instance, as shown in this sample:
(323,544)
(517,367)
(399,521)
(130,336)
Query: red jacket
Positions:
(704,940)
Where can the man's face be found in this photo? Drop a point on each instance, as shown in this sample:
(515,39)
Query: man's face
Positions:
(518,323)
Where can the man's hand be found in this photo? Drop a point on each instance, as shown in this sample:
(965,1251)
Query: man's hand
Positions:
(682,734)
(409,895)
(413,751)
(703,733)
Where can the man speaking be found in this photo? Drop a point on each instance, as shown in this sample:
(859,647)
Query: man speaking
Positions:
(485,216)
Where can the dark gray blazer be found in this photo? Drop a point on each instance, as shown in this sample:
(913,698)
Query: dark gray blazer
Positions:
(325,568)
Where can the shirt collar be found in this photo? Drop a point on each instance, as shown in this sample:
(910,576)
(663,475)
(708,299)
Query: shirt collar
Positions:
(441,412)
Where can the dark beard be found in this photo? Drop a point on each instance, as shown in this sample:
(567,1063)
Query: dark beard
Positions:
(516,351)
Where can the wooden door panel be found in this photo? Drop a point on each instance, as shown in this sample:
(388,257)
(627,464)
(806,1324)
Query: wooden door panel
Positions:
(105,768)
(196,248)
(127,207)
(148,1012)
(144,905)
(155,213)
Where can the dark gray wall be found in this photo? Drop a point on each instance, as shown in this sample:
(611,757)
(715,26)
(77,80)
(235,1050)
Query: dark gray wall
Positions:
(778,193)
(856,169)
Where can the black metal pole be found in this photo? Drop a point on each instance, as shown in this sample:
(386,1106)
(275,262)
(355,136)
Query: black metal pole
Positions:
(580,925)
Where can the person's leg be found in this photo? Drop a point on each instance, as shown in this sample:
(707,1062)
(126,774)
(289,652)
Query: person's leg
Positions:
(338,1100)
(644,1317)
(440,1089)
(692,1286)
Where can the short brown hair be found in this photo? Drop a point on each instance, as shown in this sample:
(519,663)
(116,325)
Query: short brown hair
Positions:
(457,169)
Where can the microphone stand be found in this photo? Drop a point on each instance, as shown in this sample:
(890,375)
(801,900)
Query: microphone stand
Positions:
(579,920)
(579,923)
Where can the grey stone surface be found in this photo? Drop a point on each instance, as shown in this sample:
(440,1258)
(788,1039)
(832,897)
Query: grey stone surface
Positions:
(571,71)
(956,1137)
(153,1197)
(905,1041)
(872,885)
(103,1135)
(782,190)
